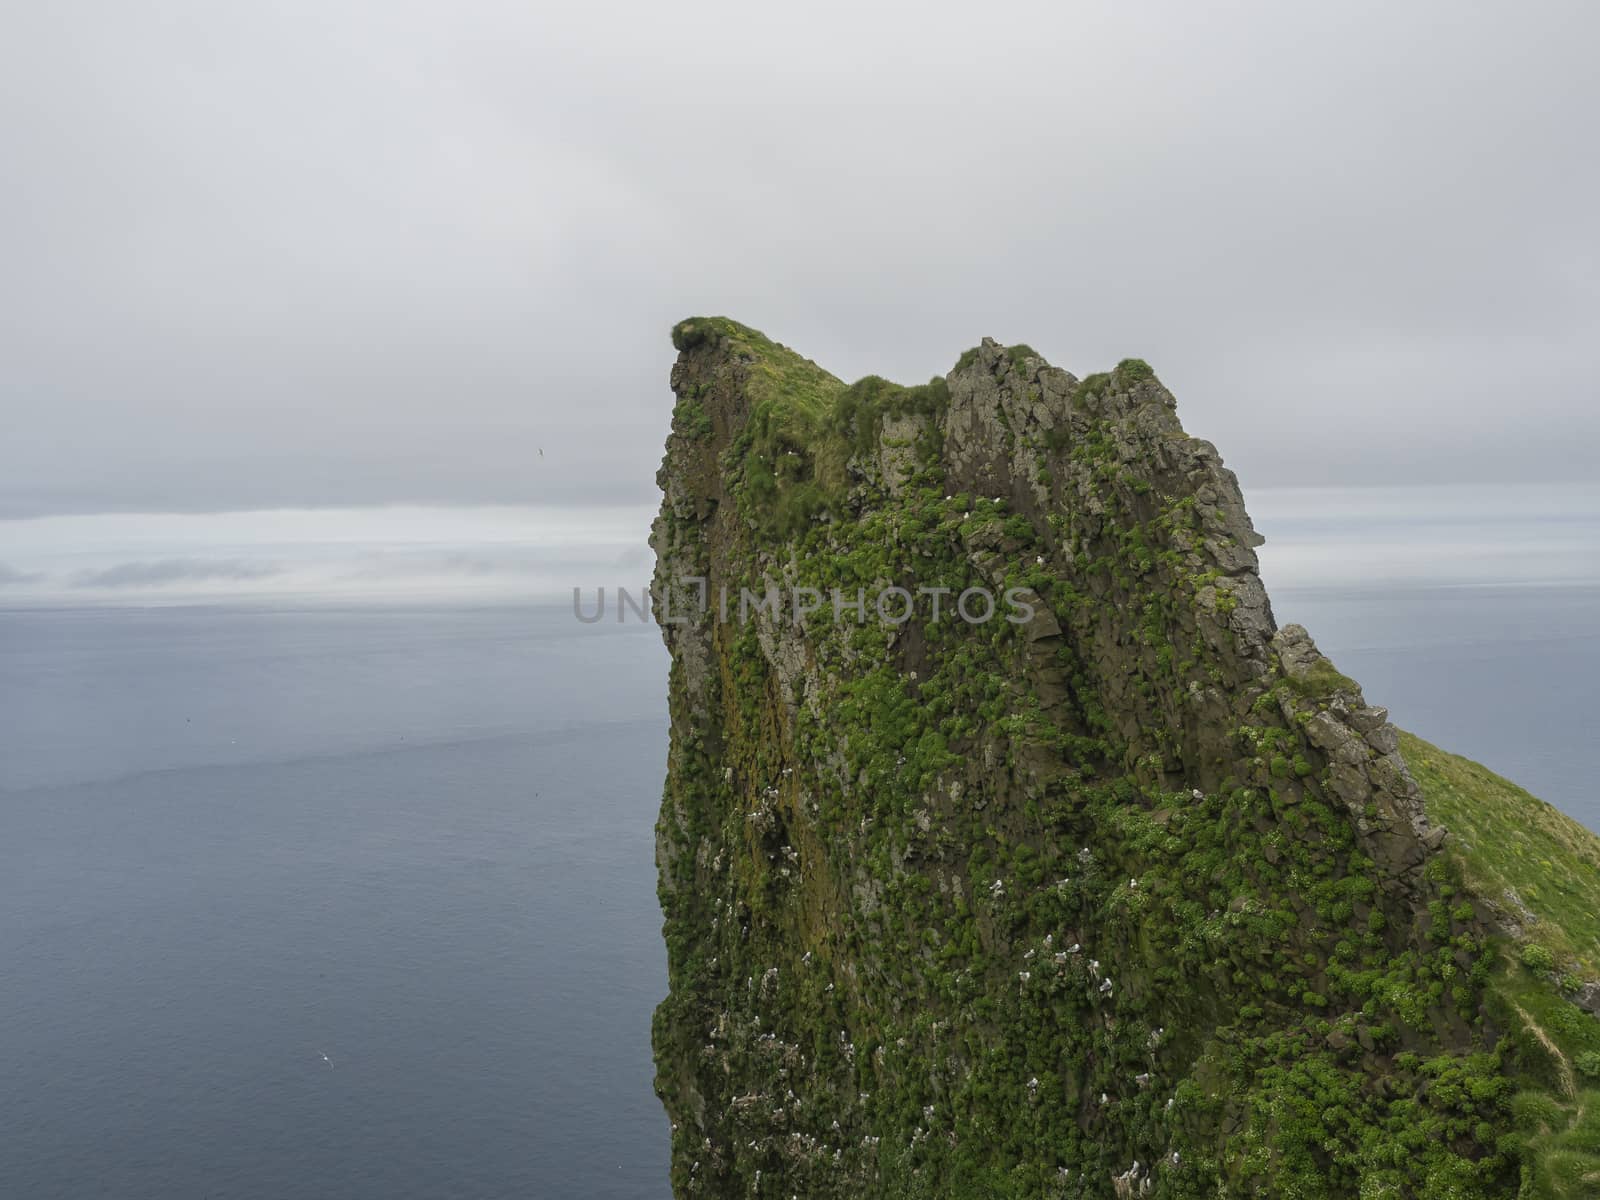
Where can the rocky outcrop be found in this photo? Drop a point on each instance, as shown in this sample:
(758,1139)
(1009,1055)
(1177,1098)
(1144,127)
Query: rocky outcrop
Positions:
(1121,874)
(1365,770)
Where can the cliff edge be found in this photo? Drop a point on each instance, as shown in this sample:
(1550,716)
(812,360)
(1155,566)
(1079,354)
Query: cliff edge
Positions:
(1009,848)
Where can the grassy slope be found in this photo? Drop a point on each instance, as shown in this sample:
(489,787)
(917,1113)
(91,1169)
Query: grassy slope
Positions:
(1518,853)
(1542,870)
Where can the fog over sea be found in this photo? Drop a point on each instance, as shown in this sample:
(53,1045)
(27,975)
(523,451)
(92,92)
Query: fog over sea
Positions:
(326,837)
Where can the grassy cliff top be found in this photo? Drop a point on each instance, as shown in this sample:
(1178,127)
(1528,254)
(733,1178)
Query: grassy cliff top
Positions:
(777,373)
(780,374)
(804,423)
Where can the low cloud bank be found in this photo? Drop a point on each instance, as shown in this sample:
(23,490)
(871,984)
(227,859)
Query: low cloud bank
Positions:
(175,571)
(491,554)
(1317,538)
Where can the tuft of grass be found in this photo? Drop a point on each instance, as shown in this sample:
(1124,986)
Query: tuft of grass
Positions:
(1133,370)
(1021,353)
(1322,679)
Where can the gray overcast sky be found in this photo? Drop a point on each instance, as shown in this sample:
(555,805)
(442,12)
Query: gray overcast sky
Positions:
(367,252)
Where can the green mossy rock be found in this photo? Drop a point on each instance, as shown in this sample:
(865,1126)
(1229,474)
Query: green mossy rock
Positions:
(1138,897)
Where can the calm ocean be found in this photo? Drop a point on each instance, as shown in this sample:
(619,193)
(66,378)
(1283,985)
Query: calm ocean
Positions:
(418,842)
(359,902)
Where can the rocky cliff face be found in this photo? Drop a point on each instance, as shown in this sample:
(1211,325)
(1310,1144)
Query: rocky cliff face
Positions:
(1123,891)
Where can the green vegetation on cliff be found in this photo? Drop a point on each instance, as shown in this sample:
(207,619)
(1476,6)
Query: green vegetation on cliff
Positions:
(803,424)
(1138,898)
(1539,871)
(1539,867)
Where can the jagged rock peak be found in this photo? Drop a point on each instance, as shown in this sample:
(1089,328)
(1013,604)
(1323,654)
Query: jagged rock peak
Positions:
(1084,458)
(945,895)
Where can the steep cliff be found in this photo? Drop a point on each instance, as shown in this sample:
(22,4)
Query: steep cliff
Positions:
(1121,891)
